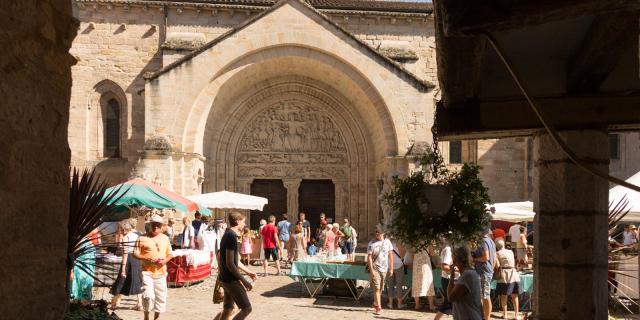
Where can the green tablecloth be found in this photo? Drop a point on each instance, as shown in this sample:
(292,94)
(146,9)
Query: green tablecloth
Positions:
(328,270)
(304,269)
(526,281)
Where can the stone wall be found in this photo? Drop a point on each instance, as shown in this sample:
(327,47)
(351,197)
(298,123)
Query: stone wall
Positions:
(118,43)
(115,47)
(34,179)
(504,168)
(628,163)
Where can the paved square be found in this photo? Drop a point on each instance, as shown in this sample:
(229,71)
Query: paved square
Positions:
(273,297)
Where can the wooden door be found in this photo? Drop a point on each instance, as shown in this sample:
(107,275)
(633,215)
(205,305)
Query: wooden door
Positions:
(315,197)
(274,190)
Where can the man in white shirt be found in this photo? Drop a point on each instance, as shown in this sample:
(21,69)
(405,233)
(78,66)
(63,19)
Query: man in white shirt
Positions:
(514,234)
(379,258)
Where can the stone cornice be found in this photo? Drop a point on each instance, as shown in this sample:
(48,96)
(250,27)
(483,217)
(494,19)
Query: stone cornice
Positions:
(247,8)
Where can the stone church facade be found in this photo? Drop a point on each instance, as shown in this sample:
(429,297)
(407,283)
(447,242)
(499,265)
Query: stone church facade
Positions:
(315,104)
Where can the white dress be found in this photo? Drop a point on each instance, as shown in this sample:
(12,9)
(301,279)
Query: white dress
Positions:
(422,282)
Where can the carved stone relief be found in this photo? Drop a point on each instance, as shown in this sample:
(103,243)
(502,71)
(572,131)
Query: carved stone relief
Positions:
(292,139)
(292,126)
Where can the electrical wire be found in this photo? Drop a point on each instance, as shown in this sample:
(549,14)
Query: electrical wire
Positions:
(549,127)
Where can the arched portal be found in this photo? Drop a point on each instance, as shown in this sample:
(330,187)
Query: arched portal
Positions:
(293,129)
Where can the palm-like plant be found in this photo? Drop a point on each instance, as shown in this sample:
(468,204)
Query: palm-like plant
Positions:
(89,204)
(618,257)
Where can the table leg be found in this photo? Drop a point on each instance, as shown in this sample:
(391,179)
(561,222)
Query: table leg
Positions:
(367,286)
(406,294)
(353,291)
(312,293)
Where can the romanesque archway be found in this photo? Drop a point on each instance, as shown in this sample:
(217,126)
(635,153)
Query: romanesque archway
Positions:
(294,129)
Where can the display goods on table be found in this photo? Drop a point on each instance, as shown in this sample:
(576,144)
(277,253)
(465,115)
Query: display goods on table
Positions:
(188,266)
(315,273)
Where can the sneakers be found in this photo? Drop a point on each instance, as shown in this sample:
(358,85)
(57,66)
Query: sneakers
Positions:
(377,311)
(402,306)
(390,305)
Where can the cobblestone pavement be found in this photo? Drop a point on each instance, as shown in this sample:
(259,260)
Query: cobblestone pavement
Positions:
(273,297)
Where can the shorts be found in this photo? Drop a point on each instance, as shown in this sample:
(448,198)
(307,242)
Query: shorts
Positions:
(377,279)
(508,288)
(348,247)
(485,286)
(521,253)
(271,252)
(235,293)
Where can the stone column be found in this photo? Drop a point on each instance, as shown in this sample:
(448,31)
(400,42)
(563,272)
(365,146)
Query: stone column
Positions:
(571,228)
(339,203)
(292,185)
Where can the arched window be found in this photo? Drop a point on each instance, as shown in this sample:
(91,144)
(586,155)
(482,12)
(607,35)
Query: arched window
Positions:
(111,128)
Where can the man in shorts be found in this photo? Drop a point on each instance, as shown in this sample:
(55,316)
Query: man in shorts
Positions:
(484,258)
(284,230)
(234,284)
(270,244)
(379,258)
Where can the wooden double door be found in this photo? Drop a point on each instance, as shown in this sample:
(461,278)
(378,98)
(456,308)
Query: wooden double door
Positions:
(314,197)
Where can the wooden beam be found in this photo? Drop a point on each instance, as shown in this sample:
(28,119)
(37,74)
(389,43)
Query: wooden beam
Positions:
(464,17)
(493,119)
(609,36)
(459,60)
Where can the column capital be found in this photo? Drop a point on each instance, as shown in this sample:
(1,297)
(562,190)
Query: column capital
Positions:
(292,184)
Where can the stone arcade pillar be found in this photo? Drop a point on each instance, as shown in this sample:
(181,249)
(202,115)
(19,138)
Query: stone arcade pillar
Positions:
(293,187)
(571,228)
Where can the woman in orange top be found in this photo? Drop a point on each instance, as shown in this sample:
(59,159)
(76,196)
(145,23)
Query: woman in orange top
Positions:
(154,250)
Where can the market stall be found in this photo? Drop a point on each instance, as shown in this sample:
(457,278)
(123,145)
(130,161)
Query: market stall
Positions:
(233,200)
(141,193)
(188,265)
(315,274)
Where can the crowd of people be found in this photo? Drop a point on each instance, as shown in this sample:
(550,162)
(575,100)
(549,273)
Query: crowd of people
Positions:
(467,272)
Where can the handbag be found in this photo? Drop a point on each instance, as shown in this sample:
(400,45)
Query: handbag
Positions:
(497,274)
(218,292)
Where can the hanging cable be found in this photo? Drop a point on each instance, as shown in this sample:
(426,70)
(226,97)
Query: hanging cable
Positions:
(549,127)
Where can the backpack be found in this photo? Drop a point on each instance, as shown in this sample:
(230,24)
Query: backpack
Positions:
(346,230)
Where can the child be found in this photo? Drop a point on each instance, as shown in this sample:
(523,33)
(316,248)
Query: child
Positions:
(245,250)
(311,249)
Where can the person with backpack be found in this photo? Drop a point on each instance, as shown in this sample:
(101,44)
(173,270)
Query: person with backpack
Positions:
(349,238)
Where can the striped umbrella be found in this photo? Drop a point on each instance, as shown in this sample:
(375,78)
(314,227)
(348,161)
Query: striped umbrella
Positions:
(140,192)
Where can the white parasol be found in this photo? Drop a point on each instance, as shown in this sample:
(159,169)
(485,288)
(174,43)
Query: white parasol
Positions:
(229,200)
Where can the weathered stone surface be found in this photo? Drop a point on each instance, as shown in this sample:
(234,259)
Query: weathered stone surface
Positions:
(34,175)
(113,60)
(571,202)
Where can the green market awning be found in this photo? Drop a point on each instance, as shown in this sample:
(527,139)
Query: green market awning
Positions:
(139,192)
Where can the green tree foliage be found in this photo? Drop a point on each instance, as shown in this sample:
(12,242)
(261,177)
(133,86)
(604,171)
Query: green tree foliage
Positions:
(465,220)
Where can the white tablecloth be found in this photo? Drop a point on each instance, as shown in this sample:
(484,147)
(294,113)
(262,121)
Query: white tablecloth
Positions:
(194,257)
